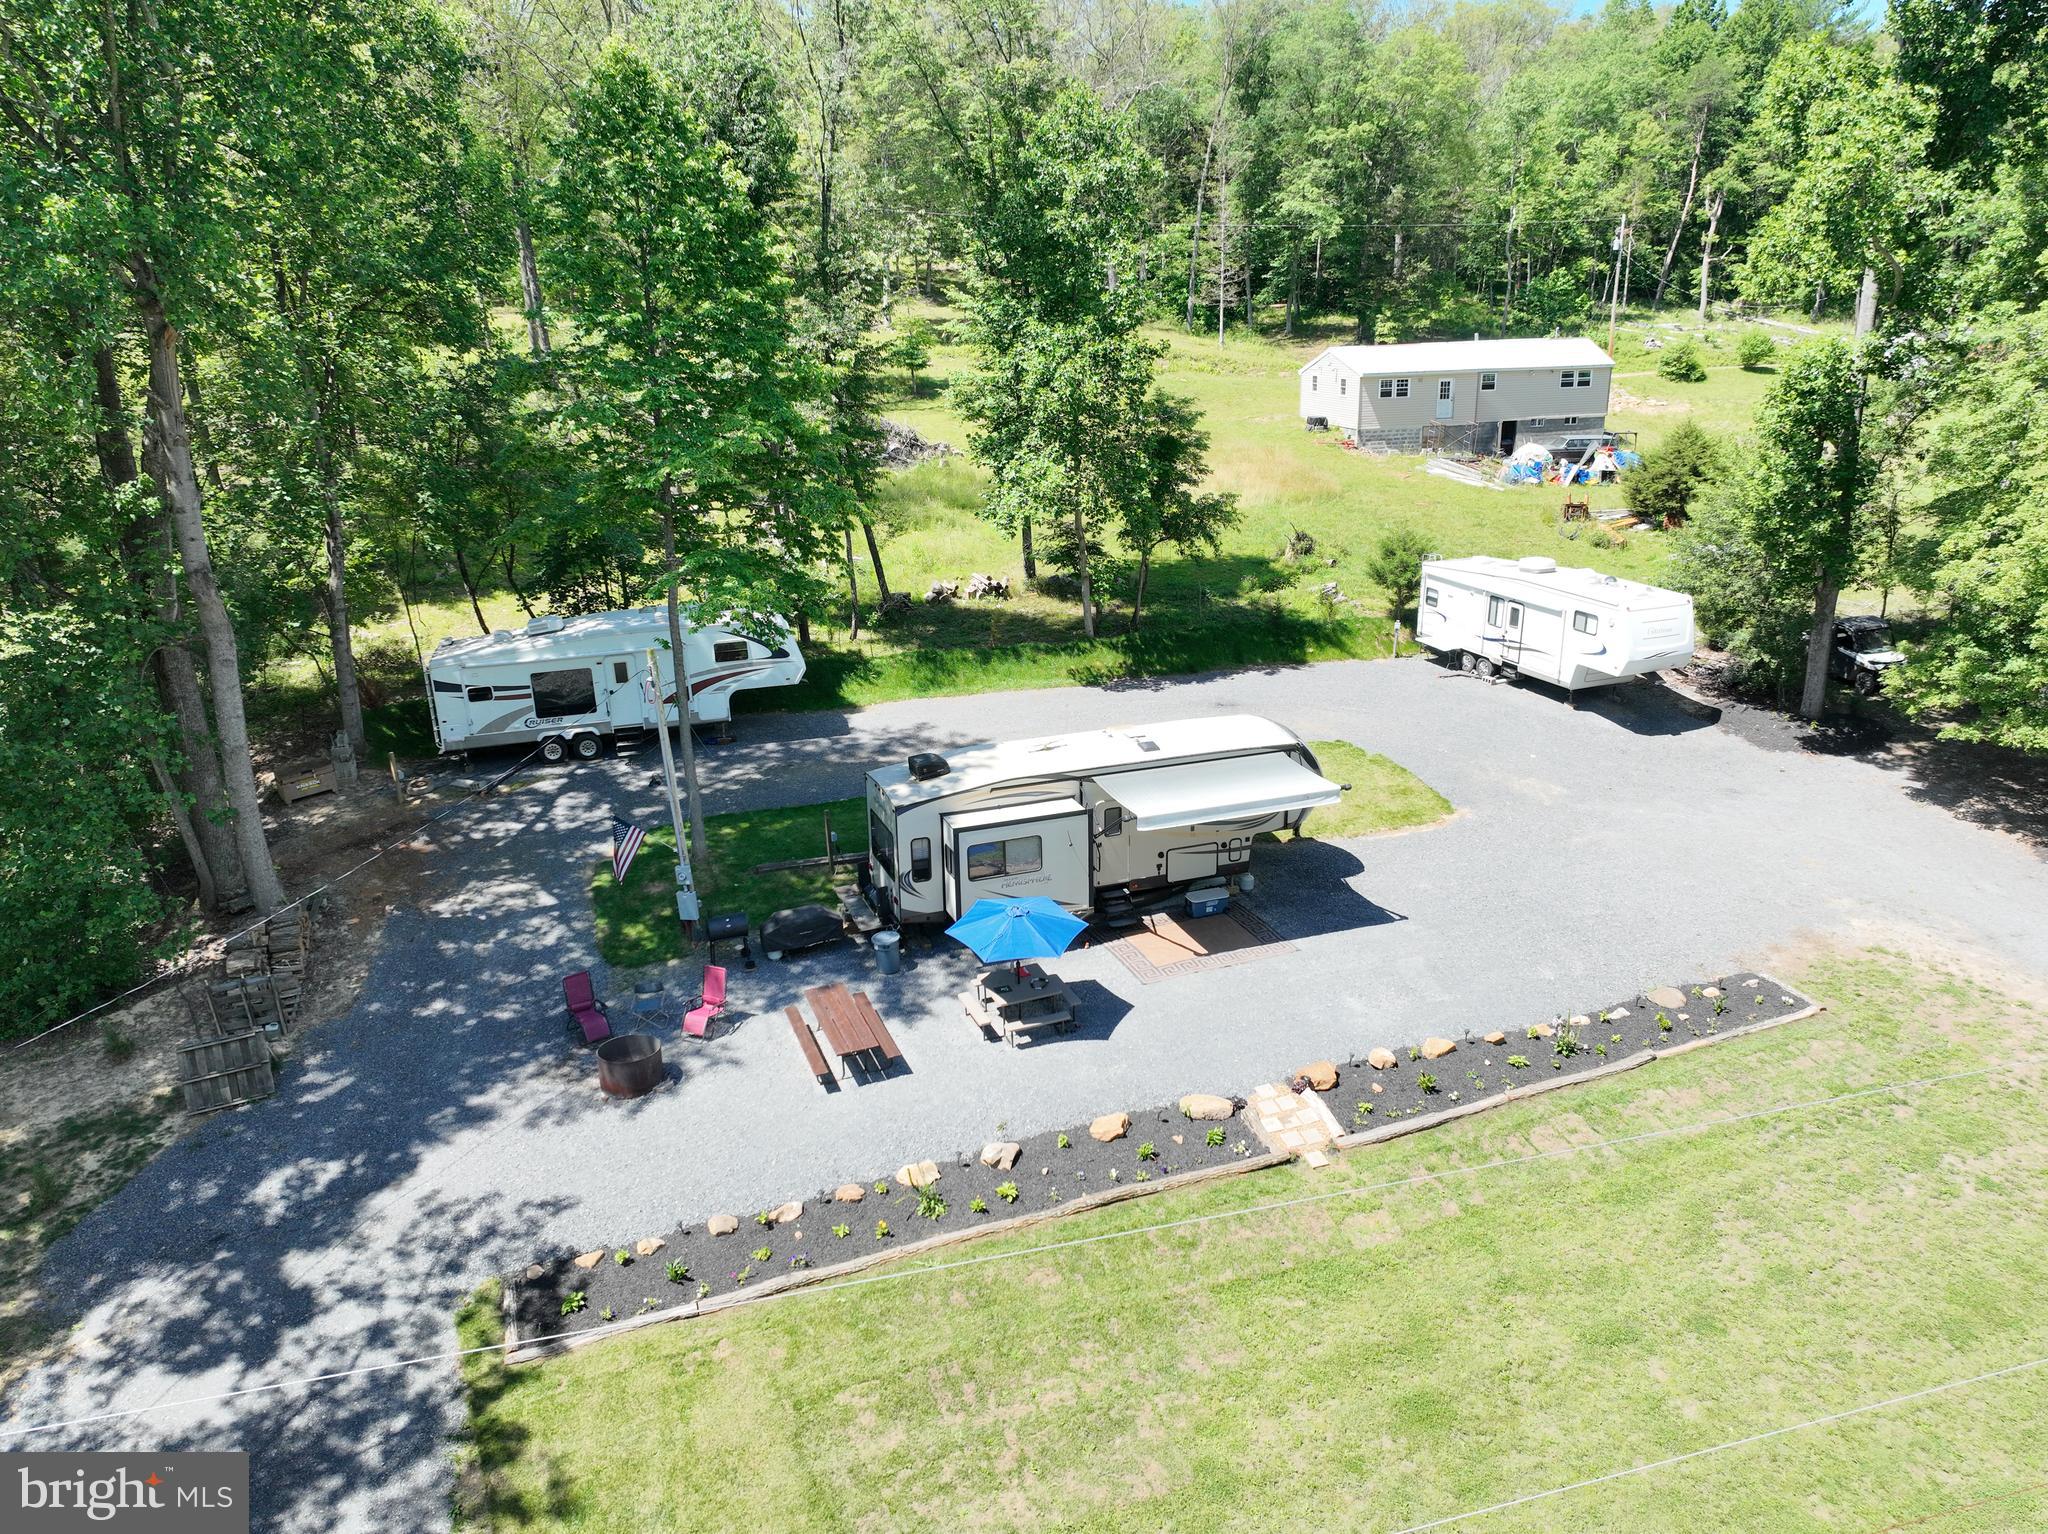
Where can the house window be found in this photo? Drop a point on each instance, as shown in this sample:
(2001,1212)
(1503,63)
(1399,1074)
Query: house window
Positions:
(1443,388)
(1493,608)
(619,672)
(1313,383)
(920,859)
(479,695)
(729,650)
(1571,420)
(1429,596)
(1393,388)
(1488,382)
(563,694)
(1341,386)
(1585,623)
(1582,379)
(1000,860)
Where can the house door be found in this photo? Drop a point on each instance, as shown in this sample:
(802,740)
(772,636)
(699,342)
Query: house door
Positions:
(1446,397)
(1507,439)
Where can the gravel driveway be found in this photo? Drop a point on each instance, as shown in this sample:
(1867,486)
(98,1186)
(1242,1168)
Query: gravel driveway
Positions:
(443,1132)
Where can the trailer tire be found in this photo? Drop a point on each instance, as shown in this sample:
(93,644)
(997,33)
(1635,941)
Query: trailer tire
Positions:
(586,747)
(1467,662)
(553,749)
(1486,667)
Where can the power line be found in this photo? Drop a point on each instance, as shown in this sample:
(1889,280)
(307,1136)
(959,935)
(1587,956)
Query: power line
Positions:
(925,1269)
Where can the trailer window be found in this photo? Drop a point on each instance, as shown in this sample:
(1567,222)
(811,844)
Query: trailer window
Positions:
(882,843)
(1493,607)
(920,859)
(1429,596)
(559,694)
(729,650)
(619,672)
(999,860)
(1585,623)
(479,695)
(1112,820)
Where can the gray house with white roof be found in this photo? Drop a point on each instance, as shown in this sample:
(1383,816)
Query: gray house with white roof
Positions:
(1479,396)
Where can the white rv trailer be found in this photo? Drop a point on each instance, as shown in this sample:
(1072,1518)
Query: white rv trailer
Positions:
(1574,627)
(1105,822)
(570,682)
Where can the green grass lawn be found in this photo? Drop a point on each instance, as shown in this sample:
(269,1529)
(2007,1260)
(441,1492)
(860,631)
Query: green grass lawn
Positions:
(636,922)
(1392,1354)
(1379,794)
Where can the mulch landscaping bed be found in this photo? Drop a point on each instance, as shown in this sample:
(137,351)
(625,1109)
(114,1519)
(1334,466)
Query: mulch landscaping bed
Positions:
(1058,1167)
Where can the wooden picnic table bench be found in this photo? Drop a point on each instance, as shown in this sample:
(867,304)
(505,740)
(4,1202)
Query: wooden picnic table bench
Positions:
(876,1027)
(855,1034)
(807,1041)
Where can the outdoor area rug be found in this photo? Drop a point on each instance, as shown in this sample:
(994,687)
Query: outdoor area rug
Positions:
(1167,946)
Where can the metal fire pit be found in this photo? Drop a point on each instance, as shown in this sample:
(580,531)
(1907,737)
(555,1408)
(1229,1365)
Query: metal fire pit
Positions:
(629,1065)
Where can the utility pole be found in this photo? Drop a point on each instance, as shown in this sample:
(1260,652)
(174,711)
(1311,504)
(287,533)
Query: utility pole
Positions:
(1614,284)
(686,885)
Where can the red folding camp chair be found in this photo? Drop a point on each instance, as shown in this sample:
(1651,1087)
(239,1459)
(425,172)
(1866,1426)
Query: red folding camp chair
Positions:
(709,1005)
(585,1010)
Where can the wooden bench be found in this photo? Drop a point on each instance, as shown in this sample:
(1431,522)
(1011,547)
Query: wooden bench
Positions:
(808,1043)
(873,1019)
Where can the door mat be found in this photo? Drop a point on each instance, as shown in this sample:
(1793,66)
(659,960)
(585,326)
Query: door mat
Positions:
(1167,946)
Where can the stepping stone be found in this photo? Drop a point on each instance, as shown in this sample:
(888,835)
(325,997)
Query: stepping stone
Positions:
(1665,996)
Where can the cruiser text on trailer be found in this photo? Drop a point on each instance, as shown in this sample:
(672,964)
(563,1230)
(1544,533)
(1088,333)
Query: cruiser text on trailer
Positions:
(569,682)
(1106,821)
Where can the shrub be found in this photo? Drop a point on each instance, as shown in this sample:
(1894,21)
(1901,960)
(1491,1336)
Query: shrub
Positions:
(1673,474)
(1395,566)
(1682,364)
(1566,1044)
(929,1205)
(1753,349)
(45,1189)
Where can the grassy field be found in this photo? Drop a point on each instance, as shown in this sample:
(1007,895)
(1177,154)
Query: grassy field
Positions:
(636,921)
(1248,605)
(1416,1343)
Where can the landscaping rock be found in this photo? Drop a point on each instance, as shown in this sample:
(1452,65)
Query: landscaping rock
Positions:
(918,1174)
(1322,1075)
(1377,1087)
(1206,1105)
(1580,1020)
(1111,1126)
(1001,1154)
(784,1214)
(535,1272)
(1496,1037)
(1665,996)
(647,1246)
(1542,1030)
(1618,1014)
(849,1193)
(721,1225)
(589,1260)
(1711,992)
(1436,1049)
(1381,1060)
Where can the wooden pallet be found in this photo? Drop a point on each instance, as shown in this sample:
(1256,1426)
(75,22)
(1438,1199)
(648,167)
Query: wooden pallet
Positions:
(220,1072)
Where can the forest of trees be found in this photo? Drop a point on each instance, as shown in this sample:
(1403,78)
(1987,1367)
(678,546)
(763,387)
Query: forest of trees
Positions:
(307,307)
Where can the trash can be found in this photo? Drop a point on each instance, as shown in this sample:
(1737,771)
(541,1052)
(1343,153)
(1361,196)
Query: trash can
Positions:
(888,951)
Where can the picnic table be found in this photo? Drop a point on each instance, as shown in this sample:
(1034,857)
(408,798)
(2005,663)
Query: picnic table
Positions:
(852,1027)
(1019,999)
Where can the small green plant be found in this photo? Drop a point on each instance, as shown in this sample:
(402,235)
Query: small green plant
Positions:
(647,1302)
(744,1274)
(1414,1053)
(1519,1062)
(881,1230)
(929,1205)
(678,1272)
(1242,1148)
(762,1254)
(1114,1176)
(1065,1143)
(573,1301)
(45,1189)
(1141,1176)
(1600,1050)
(622,1257)
(1720,1005)
(605,1314)
(765,1218)
(882,1188)
(1535,1030)
(1359,1114)
(977,1206)
(1427,1082)
(1007,1192)
(1147,1151)
(842,1231)
(1566,1044)
(1614,1039)
(116,1043)
(799,1261)
(1664,1024)
(702,1290)
(1215,1136)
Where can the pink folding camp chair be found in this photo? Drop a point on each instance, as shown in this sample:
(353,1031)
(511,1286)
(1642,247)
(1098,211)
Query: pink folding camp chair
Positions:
(709,1005)
(585,1010)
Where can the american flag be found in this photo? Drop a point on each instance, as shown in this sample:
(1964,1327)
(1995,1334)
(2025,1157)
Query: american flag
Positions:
(626,840)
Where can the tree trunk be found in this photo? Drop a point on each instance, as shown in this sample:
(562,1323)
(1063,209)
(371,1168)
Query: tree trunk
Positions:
(803,627)
(511,564)
(112,444)
(469,587)
(852,590)
(1692,181)
(688,741)
(1030,554)
(209,464)
(1138,590)
(1081,568)
(875,559)
(195,854)
(537,340)
(1707,249)
(1195,239)
(334,594)
(1222,253)
(1813,696)
(178,484)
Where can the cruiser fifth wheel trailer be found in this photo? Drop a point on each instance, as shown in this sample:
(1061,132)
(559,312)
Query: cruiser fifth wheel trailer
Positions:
(1106,822)
(570,682)
(1576,628)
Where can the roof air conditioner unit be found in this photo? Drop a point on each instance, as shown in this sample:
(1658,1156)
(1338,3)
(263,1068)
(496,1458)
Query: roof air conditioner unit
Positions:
(926,765)
(547,625)
(1537,564)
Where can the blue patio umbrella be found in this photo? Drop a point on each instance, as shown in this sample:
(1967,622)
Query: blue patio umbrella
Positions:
(1030,927)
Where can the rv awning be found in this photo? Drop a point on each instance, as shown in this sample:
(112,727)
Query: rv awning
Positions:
(1238,788)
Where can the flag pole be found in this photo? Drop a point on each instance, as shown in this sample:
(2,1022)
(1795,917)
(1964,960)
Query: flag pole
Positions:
(686,887)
